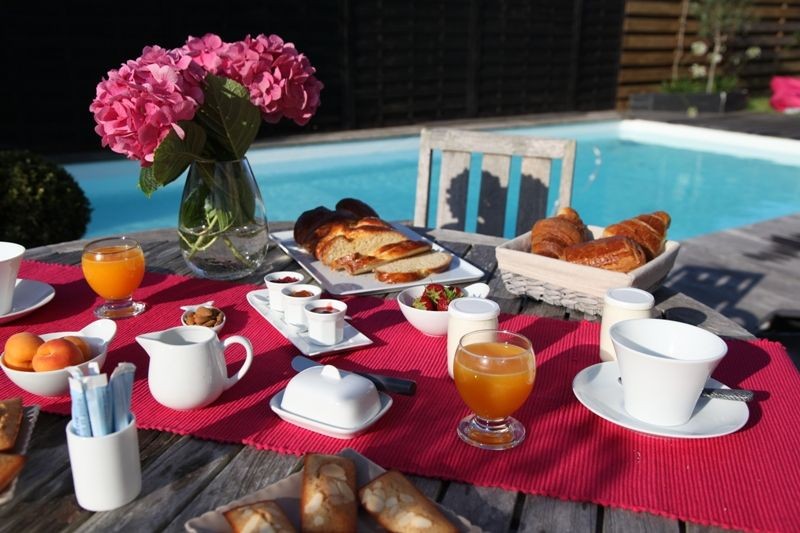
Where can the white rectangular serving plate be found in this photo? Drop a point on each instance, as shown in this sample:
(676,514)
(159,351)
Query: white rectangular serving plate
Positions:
(298,336)
(342,283)
(286,493)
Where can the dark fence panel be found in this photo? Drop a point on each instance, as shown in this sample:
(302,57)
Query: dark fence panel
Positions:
(384,62)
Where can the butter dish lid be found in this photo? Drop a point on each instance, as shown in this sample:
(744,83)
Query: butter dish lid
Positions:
(325,394)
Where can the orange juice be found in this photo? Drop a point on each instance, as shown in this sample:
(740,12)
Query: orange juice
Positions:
(113,272)
(496,380)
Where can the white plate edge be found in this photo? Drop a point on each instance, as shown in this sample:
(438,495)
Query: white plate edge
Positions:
(650,429)
(8,317)
(298,341)
(281,238)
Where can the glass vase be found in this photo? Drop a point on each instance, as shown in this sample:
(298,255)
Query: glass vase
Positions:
(222,223)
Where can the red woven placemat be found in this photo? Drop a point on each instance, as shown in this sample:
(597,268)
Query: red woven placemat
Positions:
(747,480)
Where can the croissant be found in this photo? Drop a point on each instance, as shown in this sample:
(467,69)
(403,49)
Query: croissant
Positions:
(648,231)
(618,253)
(549,236)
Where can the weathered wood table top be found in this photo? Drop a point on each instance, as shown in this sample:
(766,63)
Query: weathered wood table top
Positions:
(183,477)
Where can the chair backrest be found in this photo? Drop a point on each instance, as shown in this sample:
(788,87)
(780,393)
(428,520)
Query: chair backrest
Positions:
(457,147)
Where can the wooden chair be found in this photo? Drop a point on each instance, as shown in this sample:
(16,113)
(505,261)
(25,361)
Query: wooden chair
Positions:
(457,147)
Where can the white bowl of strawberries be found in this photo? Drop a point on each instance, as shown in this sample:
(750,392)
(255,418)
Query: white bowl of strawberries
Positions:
(425,307)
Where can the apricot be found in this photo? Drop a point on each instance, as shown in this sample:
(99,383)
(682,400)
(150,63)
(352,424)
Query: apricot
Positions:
(82,345)
(56,354)
(20,349)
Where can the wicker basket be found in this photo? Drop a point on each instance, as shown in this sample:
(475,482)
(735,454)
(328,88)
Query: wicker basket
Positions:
(574,286)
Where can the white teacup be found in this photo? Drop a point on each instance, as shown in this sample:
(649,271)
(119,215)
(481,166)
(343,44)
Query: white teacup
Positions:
(325,319)
(664,366)
(10,259)
(276,281)
(294,299)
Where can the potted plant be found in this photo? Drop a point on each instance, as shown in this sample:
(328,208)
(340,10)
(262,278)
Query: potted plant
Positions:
(713,84)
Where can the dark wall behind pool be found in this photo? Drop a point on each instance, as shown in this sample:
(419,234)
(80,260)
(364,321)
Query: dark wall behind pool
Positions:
(383,63)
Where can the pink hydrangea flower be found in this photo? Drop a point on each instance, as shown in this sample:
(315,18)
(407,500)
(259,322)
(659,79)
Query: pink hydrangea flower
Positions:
(141,102)
(206,51)
(280,80)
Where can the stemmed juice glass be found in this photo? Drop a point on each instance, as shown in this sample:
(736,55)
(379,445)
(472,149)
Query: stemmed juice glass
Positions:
(114,268)
(494,373)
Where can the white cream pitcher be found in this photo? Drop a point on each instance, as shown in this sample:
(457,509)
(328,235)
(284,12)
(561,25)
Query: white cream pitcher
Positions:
(187,365)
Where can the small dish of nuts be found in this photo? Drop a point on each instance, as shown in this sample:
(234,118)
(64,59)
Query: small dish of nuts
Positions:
(204,314)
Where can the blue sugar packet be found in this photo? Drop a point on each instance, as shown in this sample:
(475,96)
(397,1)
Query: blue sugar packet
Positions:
(80,411)
(121,392)
(98,400)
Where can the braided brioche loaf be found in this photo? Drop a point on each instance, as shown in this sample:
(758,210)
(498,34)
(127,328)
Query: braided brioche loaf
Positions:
(352,238)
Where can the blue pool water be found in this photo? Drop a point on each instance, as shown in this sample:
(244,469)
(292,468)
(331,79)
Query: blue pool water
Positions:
(620,171)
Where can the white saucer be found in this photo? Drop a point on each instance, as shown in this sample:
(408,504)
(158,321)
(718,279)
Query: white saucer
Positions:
(327,429)
(29,295)
(298,335)
(597,388)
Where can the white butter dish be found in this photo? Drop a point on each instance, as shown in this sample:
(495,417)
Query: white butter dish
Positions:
(334,403)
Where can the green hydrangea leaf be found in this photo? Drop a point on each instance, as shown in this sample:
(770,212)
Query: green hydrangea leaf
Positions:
(229,117)
(172,157)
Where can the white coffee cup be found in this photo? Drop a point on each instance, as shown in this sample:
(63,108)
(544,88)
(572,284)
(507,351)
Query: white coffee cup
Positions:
(275,282)
(106,471)
(293,302)
(325,319)
(10,259)
(664,366)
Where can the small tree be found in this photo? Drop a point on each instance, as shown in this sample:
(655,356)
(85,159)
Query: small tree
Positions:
(719,22)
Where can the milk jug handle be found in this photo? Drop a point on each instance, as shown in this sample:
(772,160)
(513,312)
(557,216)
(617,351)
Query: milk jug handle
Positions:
(248,348)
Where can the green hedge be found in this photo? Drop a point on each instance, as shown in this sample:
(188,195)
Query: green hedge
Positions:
(40,202)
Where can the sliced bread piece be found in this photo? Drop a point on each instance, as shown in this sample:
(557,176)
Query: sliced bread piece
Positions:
(359,264)
(10,467)
(364,241)
(414,268)
(10,421)
(257,517)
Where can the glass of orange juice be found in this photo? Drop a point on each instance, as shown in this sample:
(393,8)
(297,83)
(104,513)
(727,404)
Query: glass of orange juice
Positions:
(114,268)
(494,372)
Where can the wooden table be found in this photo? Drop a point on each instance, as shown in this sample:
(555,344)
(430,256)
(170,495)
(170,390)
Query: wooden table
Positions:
(184,477)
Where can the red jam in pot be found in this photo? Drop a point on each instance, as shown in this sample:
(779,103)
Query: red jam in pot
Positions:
(324,310)
(285,279)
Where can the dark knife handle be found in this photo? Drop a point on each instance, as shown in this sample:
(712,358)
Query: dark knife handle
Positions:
(406,387)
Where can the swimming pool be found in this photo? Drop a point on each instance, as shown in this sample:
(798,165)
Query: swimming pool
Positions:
(622,168)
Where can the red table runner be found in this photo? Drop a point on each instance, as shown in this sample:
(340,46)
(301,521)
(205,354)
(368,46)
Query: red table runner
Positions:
(747,480)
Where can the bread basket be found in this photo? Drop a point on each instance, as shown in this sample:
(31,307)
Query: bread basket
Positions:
(574,286)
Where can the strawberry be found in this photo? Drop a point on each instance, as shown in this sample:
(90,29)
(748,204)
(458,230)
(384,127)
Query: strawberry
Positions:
(453,293)
(436,292)
(425,303)
(442,304)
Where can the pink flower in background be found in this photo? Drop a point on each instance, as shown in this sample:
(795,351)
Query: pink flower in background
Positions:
(785,94)
(141,102)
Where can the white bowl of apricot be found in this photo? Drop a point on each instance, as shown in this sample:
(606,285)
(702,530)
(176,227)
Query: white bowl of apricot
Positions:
(37,363)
